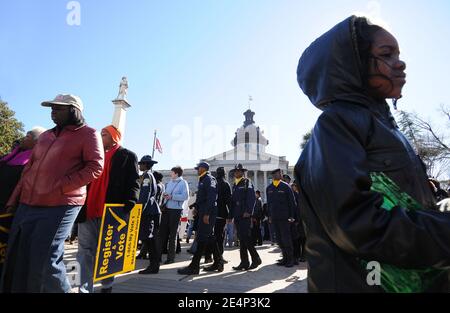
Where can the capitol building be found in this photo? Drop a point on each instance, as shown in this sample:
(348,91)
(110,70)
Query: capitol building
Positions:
(249,148)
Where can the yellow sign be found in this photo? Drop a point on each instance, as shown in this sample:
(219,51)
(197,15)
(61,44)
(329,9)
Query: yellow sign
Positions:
(117,243)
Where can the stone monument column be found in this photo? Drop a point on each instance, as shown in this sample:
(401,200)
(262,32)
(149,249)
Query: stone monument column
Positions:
(120,106)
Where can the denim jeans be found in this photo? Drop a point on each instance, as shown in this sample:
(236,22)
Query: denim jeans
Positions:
(190,229)
(229,234)
(34,261)
(88,233)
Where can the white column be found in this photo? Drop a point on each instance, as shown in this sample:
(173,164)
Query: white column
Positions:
(120,114)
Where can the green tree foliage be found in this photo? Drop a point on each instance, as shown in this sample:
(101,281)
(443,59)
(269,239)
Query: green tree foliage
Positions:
(10,128)
(305,139)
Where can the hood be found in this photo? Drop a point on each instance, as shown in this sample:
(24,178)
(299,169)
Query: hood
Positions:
(330,68)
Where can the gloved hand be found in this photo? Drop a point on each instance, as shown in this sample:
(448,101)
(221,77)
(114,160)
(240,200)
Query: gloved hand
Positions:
(128,207)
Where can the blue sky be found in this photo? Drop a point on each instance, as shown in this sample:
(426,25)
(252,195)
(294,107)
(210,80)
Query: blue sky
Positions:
(192,64)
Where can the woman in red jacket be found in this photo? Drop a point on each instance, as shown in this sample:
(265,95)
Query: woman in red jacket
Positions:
(48,198)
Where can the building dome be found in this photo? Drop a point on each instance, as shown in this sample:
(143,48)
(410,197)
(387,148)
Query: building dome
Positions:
(249,135)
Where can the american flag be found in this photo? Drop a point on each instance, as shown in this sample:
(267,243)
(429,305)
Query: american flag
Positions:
(158,146)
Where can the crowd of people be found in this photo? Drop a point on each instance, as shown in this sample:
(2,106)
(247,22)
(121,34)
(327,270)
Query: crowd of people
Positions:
(59,181)
(217,206)
(66,174)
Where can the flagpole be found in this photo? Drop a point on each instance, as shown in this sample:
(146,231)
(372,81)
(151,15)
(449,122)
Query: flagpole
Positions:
(154,141)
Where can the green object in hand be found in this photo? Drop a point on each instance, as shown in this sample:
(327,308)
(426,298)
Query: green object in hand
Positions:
(393,278)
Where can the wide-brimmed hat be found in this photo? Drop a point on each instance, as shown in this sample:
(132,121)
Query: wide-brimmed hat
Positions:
(147,159)
(65,99)
(239,167)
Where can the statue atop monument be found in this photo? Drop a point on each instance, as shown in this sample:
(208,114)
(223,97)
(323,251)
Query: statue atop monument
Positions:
(123,89)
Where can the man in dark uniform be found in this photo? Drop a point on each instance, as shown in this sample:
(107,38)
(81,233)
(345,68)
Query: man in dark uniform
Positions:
(299,223)
(281,205)
(150,217)
(242,204)
(257,216)
(146,198)
(207,213)
(295,235)
(223,212)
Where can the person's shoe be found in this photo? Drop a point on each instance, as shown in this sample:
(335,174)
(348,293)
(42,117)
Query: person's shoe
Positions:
(241,267)
(106,290)
(215,267)
(289,263)
(169,262)
(139,257)
(187,240)
(208,260)
(296,262)
(302,260)
(282,263)
(149,270)
(255,264)
(189,271)
(225,262)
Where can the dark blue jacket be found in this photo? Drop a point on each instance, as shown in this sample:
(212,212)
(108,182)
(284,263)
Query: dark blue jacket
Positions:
(281,202)
(258,210)
(243,199)
(206,202)
(147,194)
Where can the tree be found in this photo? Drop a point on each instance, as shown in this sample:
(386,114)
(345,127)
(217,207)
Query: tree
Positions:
(429,142)
(10,128)
(305,139)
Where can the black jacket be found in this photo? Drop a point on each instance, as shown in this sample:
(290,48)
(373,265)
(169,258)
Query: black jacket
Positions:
(147,194)
(223,198)
(123,186)
(242,199)
(9,177)
(281,202)
(299,220)
(258,210)
(207,195)
(356,135)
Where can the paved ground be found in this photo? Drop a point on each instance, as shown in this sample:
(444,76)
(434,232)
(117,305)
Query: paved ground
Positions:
(267,278)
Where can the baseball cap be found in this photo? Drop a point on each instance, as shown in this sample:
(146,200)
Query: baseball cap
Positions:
(202,164)
(65,99)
